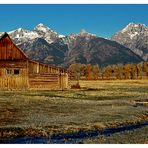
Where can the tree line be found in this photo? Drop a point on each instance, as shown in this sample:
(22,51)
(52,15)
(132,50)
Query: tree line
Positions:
(110,72)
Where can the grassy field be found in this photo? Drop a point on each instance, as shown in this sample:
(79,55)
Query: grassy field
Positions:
(97,105)
(138,136)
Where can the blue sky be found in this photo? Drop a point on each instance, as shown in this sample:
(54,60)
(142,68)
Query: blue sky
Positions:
(103,20)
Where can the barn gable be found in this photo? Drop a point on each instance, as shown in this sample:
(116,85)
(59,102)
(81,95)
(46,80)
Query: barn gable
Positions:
(8,50)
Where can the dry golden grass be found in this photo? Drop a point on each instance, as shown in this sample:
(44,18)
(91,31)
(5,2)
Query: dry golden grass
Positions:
(138,136)
(98,104)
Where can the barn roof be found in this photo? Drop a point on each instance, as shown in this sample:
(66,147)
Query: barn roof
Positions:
(52,66)
(5,34)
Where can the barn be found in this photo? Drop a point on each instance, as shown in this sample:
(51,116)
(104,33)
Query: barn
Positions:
(18,72)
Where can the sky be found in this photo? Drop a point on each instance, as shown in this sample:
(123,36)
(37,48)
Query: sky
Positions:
(102,20)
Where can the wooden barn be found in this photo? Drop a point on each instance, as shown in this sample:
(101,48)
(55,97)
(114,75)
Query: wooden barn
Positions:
(18,72)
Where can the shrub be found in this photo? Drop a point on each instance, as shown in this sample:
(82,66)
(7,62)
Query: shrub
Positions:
(76,86)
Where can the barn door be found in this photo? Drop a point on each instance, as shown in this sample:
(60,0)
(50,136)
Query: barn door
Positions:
(11,79)
(9,73)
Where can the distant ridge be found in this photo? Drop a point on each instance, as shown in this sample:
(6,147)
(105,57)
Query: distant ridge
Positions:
(46,45)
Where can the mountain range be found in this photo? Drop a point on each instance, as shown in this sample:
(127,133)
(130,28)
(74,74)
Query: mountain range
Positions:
(135,37)
(47,46)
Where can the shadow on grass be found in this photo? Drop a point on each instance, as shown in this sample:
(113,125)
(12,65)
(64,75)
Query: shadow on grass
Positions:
(71,138)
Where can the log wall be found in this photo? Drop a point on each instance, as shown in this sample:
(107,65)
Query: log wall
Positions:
(43,81)
(12,81)
(45,77)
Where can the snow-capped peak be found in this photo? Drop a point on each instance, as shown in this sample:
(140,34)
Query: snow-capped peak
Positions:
(44,32)
(18,33)
(40,24)
(41,27)
(40,31)
(20,29)
(83,32)
(134,27)
(61,36)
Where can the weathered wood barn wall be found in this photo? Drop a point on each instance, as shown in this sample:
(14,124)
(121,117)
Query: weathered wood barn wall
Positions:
(43,76)
(18,72)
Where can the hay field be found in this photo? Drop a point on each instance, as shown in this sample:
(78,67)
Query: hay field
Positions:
(97,105)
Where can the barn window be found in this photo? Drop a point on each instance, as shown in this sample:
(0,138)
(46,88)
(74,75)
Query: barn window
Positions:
(9,71)
(112,71)
(16,72)
(13,71)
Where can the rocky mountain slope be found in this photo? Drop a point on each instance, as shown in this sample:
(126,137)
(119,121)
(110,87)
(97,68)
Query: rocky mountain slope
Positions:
(135,37)
(47,46)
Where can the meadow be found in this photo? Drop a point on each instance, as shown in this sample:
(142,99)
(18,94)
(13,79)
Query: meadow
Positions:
(97,105)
